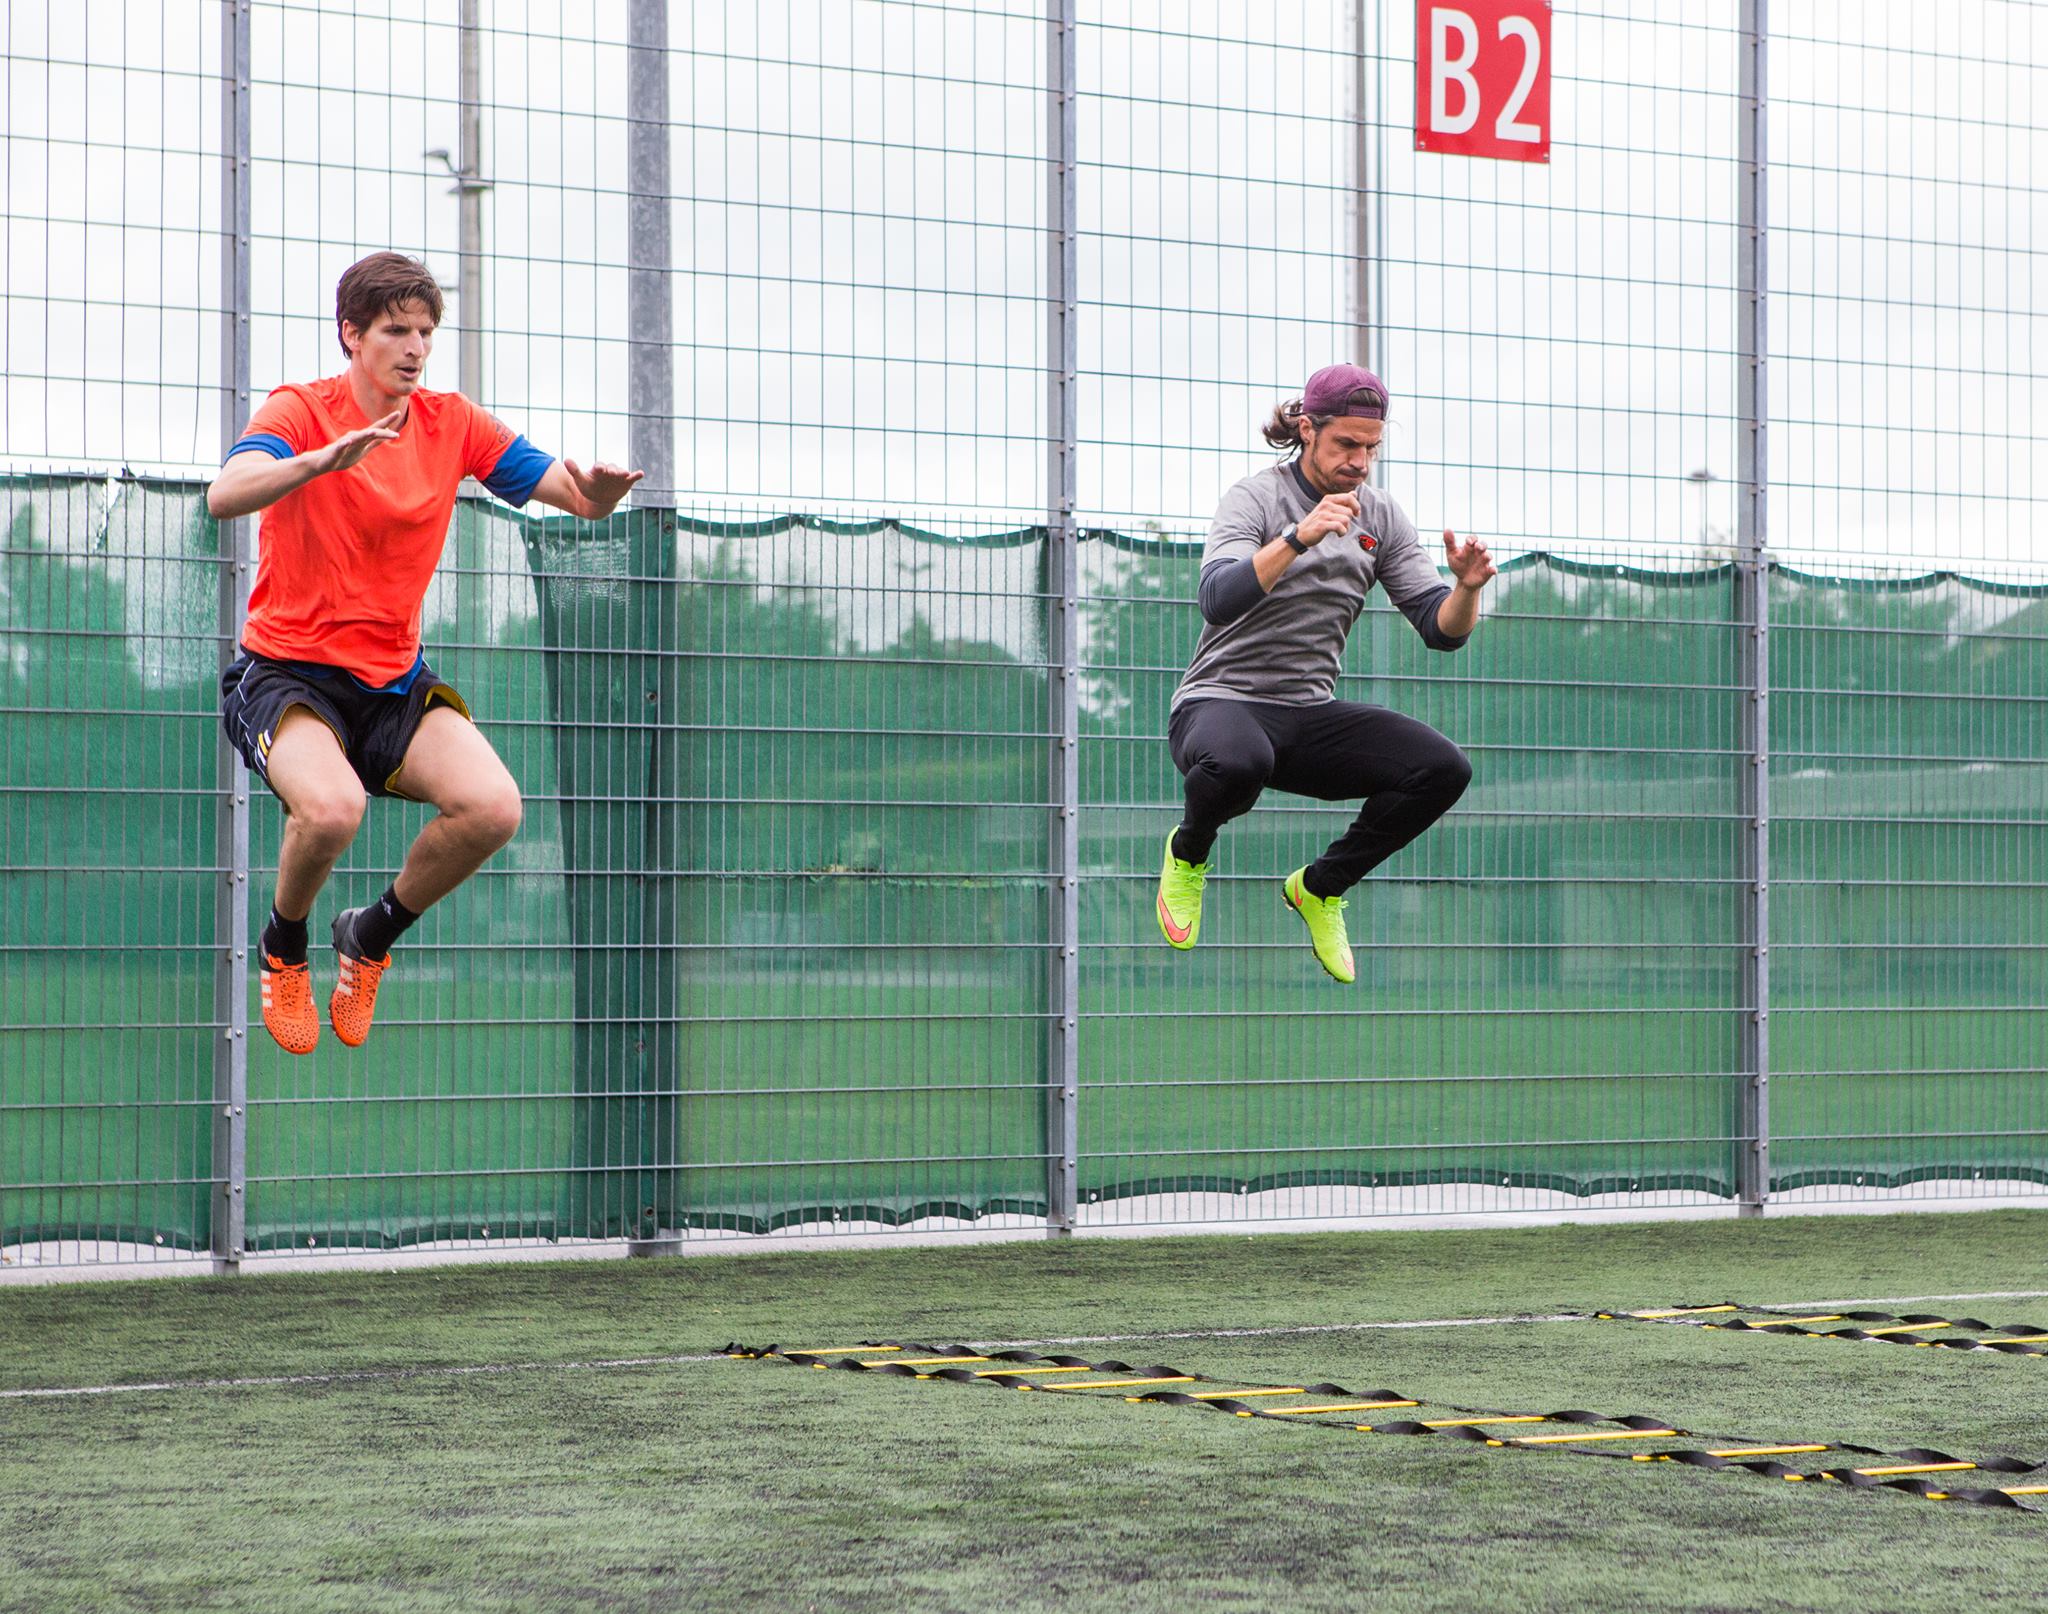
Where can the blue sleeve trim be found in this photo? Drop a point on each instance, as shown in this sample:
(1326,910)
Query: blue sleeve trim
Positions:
(518,471)
(267,442)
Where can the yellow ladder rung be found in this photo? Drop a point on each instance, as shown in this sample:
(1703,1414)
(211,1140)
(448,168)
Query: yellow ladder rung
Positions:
(1024,1372)
(1453,1423)
(1117,1384)
(1831,1317)
(2015,1339)
(1343,1406)
(1684,1311)
(1235,1395)
(924,1361)
(1906,1328)
(2026,1490)
(1727,1451)
(1918,1468)
(1609,1434)
(1763,1451)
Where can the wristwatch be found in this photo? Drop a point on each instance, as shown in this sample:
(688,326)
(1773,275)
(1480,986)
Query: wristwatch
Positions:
(1287,537)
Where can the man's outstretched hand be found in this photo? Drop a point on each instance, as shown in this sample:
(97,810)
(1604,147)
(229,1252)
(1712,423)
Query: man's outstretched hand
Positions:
(1470,564)
(349,449)
(602,486)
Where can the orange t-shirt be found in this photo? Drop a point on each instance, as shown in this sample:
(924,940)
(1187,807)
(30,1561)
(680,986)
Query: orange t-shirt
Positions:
(344,562)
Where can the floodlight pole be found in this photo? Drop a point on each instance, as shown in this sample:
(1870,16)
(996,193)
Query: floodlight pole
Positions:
(470,187)
(1753,573)
(1368,187)
(1063,1061)
(650,352)
(229,1171)
(1360,191)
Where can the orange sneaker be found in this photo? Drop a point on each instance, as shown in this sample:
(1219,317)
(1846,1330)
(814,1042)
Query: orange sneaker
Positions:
(288,1012)
(354,999)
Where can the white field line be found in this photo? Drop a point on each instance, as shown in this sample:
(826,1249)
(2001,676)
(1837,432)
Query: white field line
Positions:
(361,1375)
(365,1375)
(356,1375)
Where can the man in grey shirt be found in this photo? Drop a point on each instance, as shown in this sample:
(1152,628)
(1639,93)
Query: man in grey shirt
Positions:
(1292,553)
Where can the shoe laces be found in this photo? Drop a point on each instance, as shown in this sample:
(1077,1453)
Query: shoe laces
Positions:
(1334,906)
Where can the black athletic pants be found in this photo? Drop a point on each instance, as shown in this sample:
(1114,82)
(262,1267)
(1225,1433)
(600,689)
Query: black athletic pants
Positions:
(1230,751)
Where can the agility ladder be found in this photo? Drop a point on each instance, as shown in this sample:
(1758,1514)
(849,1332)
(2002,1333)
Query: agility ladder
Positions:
(1906,1470)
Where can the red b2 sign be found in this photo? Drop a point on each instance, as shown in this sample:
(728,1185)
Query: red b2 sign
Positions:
(1482,78)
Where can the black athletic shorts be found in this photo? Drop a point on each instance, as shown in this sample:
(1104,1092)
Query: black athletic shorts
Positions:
(374,726)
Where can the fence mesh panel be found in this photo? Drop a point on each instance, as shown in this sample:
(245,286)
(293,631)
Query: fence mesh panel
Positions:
(780,945)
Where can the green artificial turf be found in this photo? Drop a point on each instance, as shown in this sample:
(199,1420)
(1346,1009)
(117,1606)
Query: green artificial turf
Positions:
(716,1484)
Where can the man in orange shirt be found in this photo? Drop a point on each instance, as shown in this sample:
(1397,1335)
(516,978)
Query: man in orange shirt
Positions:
(332,699)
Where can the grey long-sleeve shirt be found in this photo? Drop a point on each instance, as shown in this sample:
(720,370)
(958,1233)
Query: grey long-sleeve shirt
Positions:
(1287,647)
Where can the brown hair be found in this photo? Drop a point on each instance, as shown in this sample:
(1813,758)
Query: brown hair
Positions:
(1283,430)
(382,280)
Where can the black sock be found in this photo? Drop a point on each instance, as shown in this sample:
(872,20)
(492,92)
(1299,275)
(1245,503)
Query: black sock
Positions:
(285,939)
(1310,883)
(381,924)
(1183,848)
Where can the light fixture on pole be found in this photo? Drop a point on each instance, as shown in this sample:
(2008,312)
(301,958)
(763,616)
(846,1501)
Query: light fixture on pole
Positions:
(1705,478)
(470,186)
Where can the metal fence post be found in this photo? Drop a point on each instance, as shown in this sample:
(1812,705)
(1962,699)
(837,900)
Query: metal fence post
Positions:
(1063,1066)
(650,384)
(231,859)
(1753,1175)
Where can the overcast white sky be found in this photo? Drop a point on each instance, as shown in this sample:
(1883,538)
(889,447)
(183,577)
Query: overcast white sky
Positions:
(860,194)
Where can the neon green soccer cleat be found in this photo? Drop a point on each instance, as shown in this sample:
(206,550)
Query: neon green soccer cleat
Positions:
(1324,917)
(1179,908)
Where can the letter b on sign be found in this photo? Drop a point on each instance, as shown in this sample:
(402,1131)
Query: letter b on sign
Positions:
(1482,78)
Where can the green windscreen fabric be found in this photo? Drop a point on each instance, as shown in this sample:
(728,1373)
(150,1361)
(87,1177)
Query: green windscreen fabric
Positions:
(108,871)
(1547,980)
(864,903)
(1909,851)
(608,609)
(773,944)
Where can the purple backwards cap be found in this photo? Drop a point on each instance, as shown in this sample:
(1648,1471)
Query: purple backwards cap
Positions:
(1345,389)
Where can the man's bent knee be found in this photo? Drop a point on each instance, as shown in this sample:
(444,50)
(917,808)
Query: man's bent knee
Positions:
(503,817)
(329,818)
(1451,775)
(1232,777)
(491,822)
